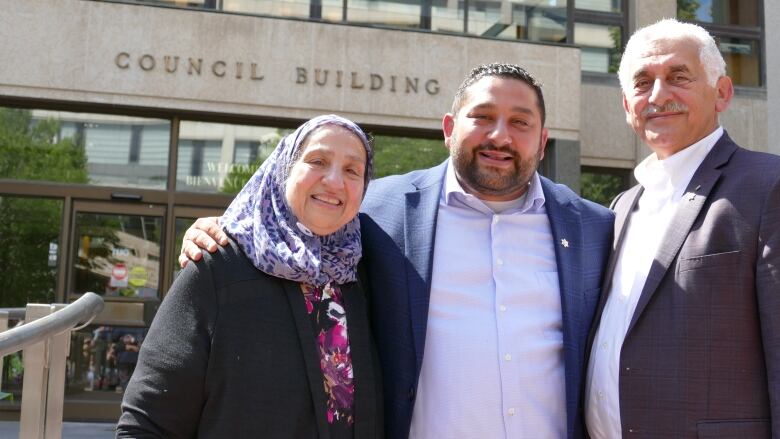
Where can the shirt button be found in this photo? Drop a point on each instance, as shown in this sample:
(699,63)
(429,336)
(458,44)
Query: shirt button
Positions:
(502,308)
(508,357)
(500,261)
(495,219)
(511,411)
(604,346)
(601,394)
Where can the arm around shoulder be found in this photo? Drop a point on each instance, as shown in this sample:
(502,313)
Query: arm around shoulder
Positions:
(166,393)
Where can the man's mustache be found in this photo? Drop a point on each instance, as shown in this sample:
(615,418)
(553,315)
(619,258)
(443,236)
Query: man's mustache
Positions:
(491,147)
(669,107)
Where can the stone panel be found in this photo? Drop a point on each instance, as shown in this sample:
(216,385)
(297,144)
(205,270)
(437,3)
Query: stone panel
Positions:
(124,54)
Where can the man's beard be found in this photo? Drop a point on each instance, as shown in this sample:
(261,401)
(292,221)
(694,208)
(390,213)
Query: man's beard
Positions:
(489,180)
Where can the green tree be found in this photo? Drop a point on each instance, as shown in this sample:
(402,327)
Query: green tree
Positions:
(616,52)
(399,155)
(601,188)
(686,9)
(29,150)
(392,155)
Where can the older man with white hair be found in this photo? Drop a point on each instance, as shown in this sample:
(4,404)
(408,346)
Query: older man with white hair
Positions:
(686,342)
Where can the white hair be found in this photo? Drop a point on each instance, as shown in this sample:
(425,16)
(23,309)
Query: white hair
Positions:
(670,29)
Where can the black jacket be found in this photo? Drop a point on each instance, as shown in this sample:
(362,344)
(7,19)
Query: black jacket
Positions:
(232,353)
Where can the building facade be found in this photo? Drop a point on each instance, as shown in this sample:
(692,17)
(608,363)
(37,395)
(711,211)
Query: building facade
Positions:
(121,122)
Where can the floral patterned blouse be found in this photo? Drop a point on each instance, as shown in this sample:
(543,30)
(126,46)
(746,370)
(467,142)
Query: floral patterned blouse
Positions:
(325,306)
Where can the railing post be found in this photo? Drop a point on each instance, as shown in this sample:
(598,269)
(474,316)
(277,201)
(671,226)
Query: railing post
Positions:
(59,346)
(35,382)
(3,327)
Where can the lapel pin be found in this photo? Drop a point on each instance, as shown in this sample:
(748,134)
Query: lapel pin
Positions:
(693,194)
(565,243)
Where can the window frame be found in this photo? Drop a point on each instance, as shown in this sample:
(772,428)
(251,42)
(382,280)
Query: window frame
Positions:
(758,33)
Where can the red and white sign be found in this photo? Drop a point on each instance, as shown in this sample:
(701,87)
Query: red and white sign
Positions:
(118,276)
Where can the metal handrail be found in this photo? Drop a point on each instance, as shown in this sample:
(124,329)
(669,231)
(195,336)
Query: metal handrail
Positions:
(82,310)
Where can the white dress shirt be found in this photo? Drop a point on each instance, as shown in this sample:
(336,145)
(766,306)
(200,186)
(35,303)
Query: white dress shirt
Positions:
(664,182)
(493,364)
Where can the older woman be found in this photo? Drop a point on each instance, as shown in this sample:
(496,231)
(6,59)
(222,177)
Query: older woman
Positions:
(269,337)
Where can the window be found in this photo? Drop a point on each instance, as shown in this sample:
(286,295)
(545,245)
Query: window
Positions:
(30,230)
(547,21)
(601,47)
(736,26)
(99,149)
(217,157)
(399,155)
(602,185)
(598,30)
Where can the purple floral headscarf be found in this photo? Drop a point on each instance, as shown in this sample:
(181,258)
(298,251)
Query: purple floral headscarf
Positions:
(264,227)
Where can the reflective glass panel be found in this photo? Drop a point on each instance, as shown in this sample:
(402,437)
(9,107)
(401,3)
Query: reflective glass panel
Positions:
(333,10)
(600,46)
(216,157)
(101,360)
(279,8)
(535,20)
(598,5)
(393,13)
(729,12)
(30,234)
(602,185)
(399,155)
(117,255)
(742,60)
(448,16)
(83,148)
(184,3)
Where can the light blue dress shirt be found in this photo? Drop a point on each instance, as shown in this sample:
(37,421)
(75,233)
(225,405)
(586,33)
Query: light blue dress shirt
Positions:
(493,364)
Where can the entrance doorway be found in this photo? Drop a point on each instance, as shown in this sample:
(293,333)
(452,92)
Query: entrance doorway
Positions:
(116,251)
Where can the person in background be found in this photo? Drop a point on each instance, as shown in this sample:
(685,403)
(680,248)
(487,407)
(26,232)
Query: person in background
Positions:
(688,337)
(269,337)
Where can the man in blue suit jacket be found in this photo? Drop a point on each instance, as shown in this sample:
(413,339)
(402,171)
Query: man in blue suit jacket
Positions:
(490,269)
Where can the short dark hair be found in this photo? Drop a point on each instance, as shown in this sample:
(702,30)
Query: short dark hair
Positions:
(501,70)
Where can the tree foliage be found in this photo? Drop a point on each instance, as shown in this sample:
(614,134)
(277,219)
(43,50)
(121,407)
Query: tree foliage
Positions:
(392,155)
(601,188)
(399,155)
(29,150)
(686,9)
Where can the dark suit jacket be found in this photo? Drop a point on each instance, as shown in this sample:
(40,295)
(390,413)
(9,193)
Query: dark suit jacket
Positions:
(232,354)
(701,357)
(398,224)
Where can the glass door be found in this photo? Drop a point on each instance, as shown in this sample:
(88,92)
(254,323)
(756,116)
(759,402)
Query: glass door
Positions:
(116,252)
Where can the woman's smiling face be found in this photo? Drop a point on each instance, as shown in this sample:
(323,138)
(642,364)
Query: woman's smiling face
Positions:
(326,183)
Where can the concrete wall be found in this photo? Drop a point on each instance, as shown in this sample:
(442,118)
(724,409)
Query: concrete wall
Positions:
(108,53)
(606,138)
(116,53)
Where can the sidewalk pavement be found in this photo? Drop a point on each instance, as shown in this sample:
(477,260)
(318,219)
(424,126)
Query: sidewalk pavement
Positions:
(70,430)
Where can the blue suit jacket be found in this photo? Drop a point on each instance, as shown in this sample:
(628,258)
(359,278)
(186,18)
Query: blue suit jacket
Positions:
(398,222)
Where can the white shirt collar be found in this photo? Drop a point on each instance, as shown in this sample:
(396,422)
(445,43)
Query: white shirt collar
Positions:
(669,177)
(453,192)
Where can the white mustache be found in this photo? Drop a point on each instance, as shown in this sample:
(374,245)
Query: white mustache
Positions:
(671,107)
